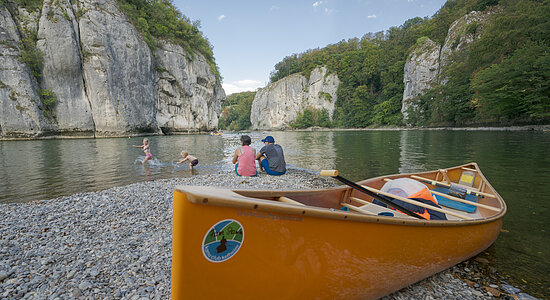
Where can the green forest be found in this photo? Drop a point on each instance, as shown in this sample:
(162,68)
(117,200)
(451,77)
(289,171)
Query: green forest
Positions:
(502,78)
(236,111)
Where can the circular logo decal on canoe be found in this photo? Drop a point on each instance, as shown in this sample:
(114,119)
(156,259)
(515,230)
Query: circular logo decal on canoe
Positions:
(223,240)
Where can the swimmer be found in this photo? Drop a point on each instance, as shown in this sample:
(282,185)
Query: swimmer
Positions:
(145,148)
(193,161)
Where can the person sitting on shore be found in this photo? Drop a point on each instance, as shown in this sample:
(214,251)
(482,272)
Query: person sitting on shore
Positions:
(193,161)
(145,148)
(244,158)
(271,157)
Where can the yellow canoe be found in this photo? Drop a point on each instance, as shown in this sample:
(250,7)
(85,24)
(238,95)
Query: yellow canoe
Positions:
(258,244)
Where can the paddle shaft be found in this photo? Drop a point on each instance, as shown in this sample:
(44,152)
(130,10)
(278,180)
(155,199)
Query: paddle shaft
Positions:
(384,199)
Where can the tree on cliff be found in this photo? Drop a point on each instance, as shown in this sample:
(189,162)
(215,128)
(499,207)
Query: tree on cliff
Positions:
(160,20)
(501,77)
(236,111)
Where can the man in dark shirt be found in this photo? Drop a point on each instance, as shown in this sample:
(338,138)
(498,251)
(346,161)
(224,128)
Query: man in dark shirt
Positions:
(271,157)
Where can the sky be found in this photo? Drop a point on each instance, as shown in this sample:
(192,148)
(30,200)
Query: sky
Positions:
(251,36)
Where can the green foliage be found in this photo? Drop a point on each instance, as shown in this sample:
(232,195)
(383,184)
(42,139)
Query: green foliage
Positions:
(29,4)
(236,114)
(325,96)
(472,28)
(503,74)
(30,55)
(312,117)
(517,86)
(500,78)
(48,100)
(160,20)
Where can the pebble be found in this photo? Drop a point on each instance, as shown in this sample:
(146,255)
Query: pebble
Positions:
(117,243)
(510,289)
(3,275)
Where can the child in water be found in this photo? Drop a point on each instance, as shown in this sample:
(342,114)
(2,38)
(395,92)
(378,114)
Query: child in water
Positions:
(193,161)
(145,148)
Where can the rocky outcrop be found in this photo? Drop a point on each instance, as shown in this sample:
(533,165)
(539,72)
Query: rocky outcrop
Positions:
(20,110)
(189,97)
(423,68)
(105,79)
(464,31)
(118,70)
(278,104)
(421,71)
(59,41)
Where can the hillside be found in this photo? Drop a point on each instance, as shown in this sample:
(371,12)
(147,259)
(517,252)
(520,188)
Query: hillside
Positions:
(501,78)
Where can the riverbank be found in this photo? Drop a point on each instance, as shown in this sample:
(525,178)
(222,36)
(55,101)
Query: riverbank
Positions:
(116,244)
(541,128)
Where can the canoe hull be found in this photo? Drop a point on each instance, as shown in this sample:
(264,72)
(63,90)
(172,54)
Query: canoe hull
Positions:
(291,255)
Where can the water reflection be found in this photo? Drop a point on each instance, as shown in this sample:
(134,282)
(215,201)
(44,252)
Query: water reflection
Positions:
(517,164)
(411,153)
(314,151)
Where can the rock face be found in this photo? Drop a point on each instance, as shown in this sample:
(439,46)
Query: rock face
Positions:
(118,71)
(104,77)
(188,96)
(426,61)
(20,111)
(421,70)
(278,104)
(59,41)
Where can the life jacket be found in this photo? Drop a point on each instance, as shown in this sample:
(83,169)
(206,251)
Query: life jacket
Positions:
(412,189)
(425,195)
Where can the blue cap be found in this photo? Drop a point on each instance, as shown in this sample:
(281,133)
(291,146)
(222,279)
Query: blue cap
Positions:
(269,139)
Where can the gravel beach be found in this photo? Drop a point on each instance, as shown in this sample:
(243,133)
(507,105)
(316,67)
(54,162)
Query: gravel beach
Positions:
(116,244)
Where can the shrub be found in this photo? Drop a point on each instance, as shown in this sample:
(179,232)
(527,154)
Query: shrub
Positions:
(312,117)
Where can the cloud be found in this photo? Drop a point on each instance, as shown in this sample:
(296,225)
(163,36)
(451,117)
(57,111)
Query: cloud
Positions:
(221,17)
(317,3)
(241,86)
(272,8)
(373,16)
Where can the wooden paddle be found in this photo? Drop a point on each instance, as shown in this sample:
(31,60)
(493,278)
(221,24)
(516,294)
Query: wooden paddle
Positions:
(386,200)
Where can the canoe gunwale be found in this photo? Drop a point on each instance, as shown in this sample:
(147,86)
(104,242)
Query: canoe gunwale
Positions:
(236,199)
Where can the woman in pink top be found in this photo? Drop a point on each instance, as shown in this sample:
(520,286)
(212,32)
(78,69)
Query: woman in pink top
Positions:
(245,158)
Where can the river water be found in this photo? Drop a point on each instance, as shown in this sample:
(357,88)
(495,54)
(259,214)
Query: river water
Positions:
(516,163)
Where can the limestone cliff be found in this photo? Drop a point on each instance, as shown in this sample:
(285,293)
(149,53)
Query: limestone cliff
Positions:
(278,104)
(189,97)
(423,68)
(103,77)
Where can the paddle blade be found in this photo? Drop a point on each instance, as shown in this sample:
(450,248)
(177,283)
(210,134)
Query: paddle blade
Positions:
(331,173)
